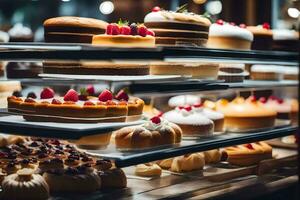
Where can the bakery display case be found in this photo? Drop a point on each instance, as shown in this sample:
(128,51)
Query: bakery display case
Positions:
(183,106)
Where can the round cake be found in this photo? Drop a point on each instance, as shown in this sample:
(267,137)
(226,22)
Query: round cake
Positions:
(96,68)
(195,70)
(191,123)
(224,35)
(69,29)
(263,37)
(266,72)
(178,28)
(282,107)
(153,133)
(245,115)
(285,40)
(124,36)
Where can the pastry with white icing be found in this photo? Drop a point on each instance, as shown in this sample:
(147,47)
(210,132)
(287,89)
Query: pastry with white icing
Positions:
(191,123)
(224,35)
(263,37)
(285,40)
(157,131)
(179,28)
(183,100)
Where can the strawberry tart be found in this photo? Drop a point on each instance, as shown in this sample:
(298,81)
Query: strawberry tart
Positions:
(123,35)
(179,28)
(155,132)
(223,35)
(73,107)
(191,123)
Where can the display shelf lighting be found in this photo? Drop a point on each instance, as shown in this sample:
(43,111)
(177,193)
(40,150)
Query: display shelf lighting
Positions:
(65,0)
(214,7)
(106,7)
(293,12)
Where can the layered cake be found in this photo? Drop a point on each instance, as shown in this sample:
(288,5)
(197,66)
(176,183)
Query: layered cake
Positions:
(285,40)
(70,29)
(20,33)
(96,68)
(191,123)
(263,37)
(232,72)
(282,107)
(155,132)
(76,108)
(223,35)
(195,70)
(19,70)
(246,114)
(248,154)
(290,73)
(179,28)
(123,35)
(266,72)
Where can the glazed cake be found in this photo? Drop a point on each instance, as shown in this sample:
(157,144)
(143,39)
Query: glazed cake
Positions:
(69,29)
(123,36)
(224,35)
(76,108)
(263,37)
(179,28)
(96,68)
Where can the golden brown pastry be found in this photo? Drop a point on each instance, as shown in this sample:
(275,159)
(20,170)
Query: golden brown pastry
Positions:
(212,156)
(76,180)
(153,133)
(248,154)
(2,176)
(148,170)
(188,162)
(25,185)
(113,178)
(166,163)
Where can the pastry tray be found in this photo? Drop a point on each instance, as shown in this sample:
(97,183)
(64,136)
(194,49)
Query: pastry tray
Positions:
(128,158)
(17,125)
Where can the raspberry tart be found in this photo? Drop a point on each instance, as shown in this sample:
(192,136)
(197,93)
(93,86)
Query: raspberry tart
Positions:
(123,35)
(77,108)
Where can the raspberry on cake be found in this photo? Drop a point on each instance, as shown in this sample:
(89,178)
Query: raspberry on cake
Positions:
(263,37)
(123,35)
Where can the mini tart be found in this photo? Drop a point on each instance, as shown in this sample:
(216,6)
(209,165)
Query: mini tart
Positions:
(148,170)
(25,184)
(226,36)
(248,154)
(114,111)
(263,38)
(195,70)
(124,41)
(242,115)
(148,135)
(96,68)
(192,124)
(72,180)
(113,178)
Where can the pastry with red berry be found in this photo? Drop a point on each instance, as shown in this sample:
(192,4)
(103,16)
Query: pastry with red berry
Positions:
(73,107)
(68,29)
(248,154)
(263,37)
(179,28)
(223,35)
(246,114)
(126,36)
(282,107)
(155,132)
(191,123)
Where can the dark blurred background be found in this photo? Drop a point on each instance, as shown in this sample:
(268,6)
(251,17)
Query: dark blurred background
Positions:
(32,13)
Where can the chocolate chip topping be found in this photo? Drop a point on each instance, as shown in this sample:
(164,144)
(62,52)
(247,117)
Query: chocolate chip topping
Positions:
(71,171)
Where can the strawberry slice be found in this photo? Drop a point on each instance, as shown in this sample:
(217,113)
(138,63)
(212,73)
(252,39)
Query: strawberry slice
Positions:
(125,30)
(47,93)
(115,30)
(56,101)
(109,29)
(188,108)
(266,25)
(142,31)
(151,33)
(155,120)
(71,95)
(90,90)
(106,95)
(220,22)
(122,95)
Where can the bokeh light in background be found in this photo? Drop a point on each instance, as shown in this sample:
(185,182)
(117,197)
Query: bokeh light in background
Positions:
(213,7)
(293,12)
(106,7)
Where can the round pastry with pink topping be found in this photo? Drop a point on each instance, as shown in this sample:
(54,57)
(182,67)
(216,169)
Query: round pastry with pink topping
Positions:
(123,35)
(155,132)
(282,107)
(191,123)
(223,35)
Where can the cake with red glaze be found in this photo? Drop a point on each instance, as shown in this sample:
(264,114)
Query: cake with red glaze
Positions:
(123,35)
(73,107)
